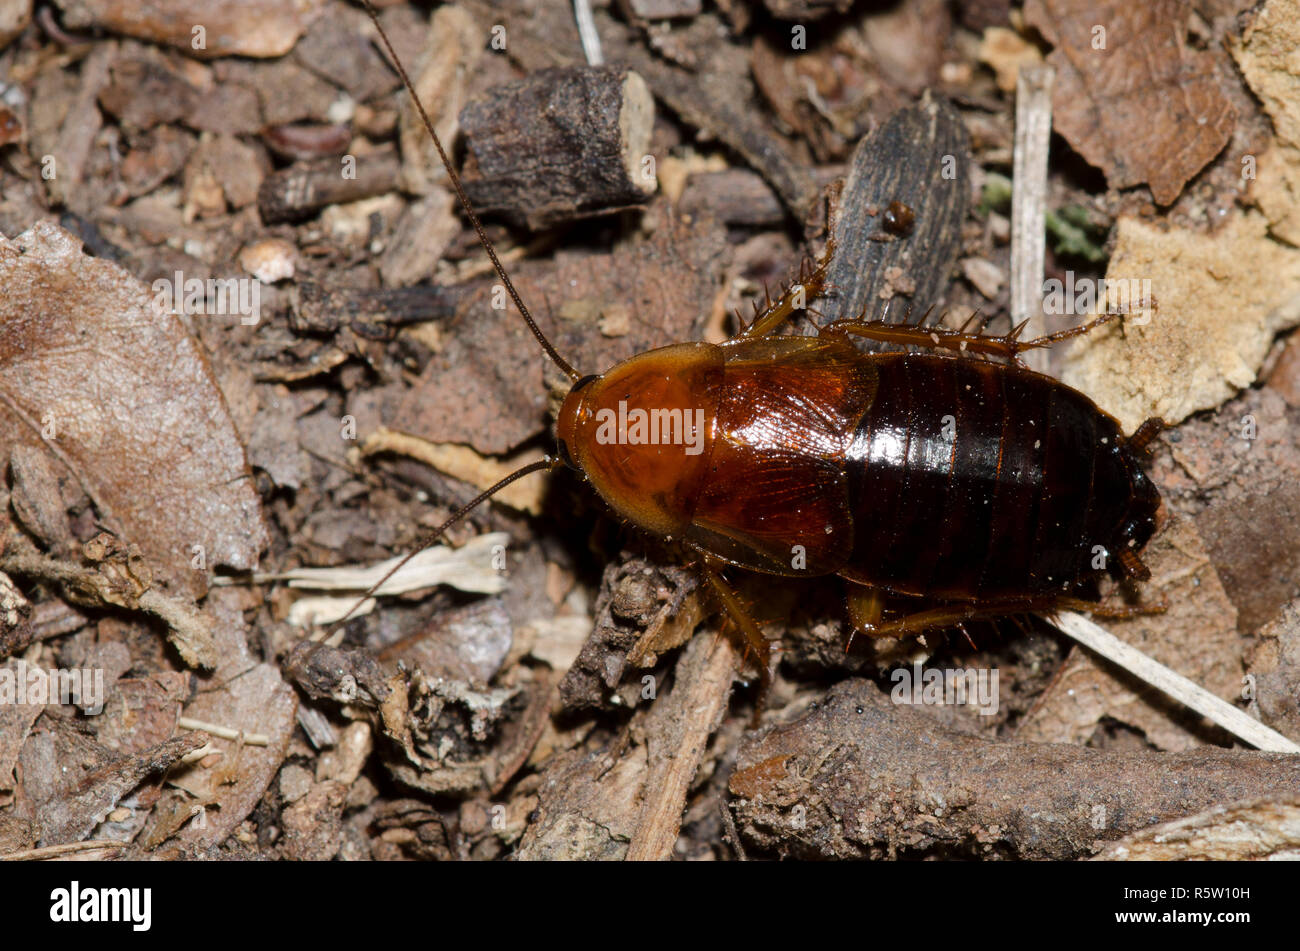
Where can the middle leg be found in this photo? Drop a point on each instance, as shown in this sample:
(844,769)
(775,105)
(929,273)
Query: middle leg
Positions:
(1008,345)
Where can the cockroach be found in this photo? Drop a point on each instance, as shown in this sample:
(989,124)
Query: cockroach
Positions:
(957,487)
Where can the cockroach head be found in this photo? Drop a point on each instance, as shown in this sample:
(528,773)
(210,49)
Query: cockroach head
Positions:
(642,432)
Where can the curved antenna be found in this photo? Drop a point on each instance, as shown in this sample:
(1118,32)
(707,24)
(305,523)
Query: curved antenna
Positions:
(547,463)
(551,352)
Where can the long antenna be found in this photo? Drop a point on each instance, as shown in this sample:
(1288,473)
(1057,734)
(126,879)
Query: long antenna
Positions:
(551,352)
(547,463)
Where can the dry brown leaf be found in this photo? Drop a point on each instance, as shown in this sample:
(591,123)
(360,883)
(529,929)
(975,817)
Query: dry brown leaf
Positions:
(1237,473)
(463,463)
(71,816)
(1221,299)
(1142,107)
(16,721)
(1275,669)
(125,400)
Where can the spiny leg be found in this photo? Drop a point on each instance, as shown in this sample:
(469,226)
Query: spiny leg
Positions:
(952,615)
(866,607)
(1132,565)
(749,630)
(1008,345)
(795,297)
(1115,611)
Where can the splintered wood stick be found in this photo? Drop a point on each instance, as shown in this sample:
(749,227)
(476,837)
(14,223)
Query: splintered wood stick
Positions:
(302,189)
(560,144)
(1100,641)
(688,718)
(1029,203)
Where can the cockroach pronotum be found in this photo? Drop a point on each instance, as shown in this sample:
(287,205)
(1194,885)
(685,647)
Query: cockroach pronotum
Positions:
(938,486)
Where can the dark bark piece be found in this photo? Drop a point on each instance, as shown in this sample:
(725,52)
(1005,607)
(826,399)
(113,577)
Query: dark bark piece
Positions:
(319,309)
(560,144)
(921,158)
(718,99)
(859,776)
(298,192)
(347,676)
(635,595)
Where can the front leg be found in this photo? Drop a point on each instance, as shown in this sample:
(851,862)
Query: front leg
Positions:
(795,298)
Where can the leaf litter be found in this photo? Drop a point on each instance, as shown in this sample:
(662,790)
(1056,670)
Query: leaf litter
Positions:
(562,708)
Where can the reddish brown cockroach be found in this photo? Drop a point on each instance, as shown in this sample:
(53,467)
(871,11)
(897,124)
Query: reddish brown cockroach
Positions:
(958,487)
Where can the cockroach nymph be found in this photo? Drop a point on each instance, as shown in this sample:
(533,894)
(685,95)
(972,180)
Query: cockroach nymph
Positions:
(941,488)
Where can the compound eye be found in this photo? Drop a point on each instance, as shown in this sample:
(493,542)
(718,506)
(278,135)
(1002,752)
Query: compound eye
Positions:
(565,457)
(585,381)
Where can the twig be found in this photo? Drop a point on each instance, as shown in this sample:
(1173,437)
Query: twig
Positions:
(225,732)
(1100,641)
(189,631)
(587,32)
(1029,202)
(698,701)
(862,776)
(54,851)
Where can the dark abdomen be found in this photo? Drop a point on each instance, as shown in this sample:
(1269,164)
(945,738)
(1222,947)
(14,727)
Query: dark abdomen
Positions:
(971,480)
